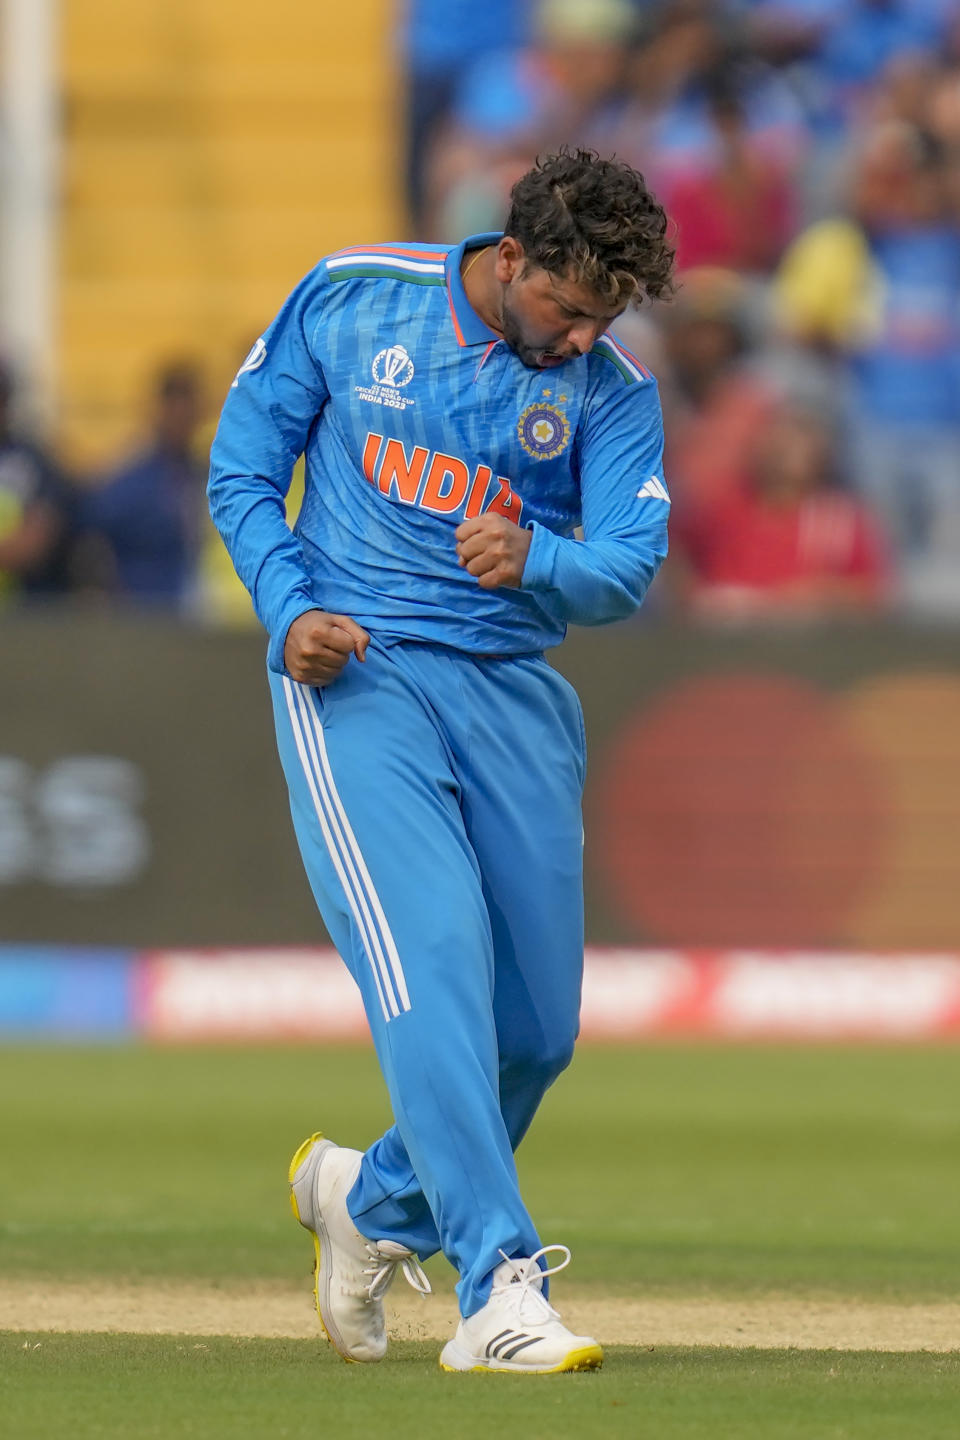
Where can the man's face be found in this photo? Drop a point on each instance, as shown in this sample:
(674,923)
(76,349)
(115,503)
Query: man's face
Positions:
(547,320)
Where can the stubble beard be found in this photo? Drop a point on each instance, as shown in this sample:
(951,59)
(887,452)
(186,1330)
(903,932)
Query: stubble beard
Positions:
(513,335)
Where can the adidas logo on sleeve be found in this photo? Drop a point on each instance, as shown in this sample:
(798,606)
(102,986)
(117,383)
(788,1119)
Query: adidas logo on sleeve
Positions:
(654,490)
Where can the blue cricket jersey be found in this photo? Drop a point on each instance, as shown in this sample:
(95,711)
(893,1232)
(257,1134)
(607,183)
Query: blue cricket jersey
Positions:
(413,415)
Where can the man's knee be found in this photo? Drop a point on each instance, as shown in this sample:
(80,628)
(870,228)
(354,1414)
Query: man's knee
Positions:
(525,1061)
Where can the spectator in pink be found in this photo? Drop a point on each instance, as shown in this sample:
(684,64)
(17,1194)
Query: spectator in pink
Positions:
(735,205)
(712,398)
(788,541)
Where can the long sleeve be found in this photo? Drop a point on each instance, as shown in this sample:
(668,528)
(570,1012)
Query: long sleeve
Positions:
(263,429)
(624,507)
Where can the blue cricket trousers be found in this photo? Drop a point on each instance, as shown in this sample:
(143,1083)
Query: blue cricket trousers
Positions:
(436,798)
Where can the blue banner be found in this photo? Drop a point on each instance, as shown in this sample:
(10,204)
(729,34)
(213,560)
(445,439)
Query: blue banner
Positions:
(68,992)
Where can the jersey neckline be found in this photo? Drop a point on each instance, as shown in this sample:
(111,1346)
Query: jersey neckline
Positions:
(467,325)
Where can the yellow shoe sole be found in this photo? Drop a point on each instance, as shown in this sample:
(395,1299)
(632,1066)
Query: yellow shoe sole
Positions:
(590,1357)
(299,1156)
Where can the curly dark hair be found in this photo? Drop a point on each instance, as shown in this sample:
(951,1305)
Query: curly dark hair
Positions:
(594,221)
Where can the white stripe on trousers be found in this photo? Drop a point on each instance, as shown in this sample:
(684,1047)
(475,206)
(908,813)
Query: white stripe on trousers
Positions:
(399,979)
(345,853)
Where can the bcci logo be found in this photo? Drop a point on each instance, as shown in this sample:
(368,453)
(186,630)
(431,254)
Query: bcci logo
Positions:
(393,367)
(544,432)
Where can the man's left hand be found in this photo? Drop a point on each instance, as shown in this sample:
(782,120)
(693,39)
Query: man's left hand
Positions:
(494,550)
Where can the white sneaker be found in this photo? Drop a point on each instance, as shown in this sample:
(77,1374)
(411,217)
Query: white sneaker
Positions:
(351,1273)
(518,1329)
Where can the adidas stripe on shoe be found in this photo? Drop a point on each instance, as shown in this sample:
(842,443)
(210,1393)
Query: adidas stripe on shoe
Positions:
(518,1330)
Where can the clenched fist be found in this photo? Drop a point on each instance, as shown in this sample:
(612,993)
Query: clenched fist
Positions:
(318,645)
(493,549)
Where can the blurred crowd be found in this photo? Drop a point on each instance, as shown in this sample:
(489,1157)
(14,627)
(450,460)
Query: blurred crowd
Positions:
(135,534)
(808,155)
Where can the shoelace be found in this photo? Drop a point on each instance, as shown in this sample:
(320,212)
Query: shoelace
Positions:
(385,1258)
(528,1278)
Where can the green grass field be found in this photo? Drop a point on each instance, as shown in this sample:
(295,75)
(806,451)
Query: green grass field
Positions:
(670,1171)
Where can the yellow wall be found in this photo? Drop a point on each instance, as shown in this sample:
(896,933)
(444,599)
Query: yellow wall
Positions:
(212,152)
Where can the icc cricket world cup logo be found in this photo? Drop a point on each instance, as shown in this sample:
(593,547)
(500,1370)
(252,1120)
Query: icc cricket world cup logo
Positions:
(393,367)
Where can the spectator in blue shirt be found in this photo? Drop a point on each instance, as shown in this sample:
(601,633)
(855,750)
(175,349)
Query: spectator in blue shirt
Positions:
(148,514)
(441,39)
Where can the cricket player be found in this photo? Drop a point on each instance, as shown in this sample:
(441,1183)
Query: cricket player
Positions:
(462,411)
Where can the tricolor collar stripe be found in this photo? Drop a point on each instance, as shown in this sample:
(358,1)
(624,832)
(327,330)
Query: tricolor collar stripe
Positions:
(402,251)
(629,360)
(367,884)
(386,262)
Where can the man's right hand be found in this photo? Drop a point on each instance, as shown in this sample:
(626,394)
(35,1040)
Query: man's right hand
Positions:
(318,645)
